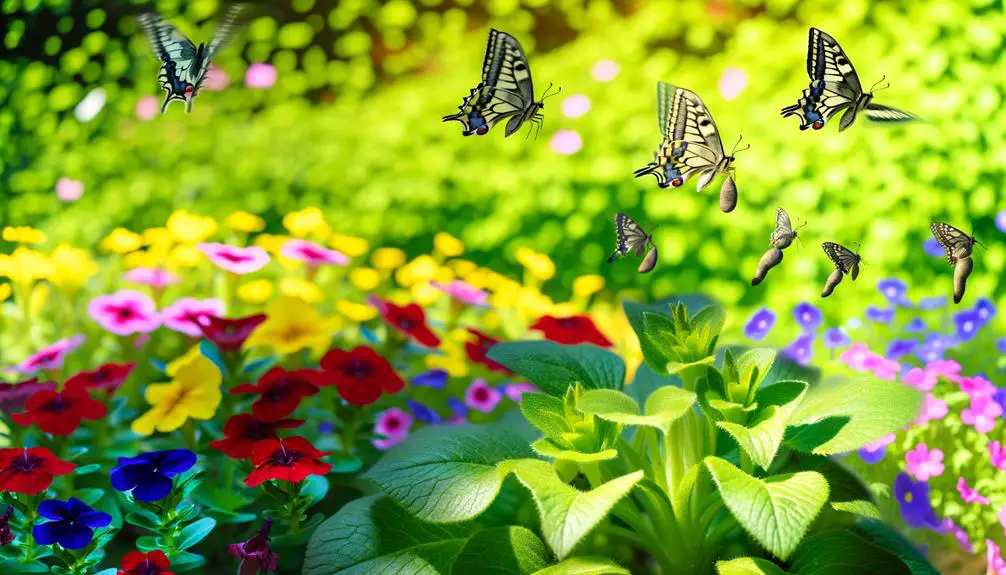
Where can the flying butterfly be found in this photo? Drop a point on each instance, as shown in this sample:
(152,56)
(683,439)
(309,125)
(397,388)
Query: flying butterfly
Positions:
(691,145)
(834,86)
(505,92)
(957,244)
(184,65)
(630,238)
(846,262)
(784,234)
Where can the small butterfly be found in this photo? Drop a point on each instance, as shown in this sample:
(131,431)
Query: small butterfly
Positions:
(844,259)
(957,244)
(834,87)
(784,234)
(506,90)
(185,64)
(630,238)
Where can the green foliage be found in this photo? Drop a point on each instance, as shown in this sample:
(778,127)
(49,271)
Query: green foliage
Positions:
(553,367)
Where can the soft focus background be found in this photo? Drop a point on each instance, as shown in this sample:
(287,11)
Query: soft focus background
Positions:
(338,105)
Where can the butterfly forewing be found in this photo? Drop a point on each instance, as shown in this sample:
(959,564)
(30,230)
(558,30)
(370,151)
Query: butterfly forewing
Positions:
(629,236)
(692,141)
(879,113)
(783,234)
(956,243)
(843,258)
(827,62)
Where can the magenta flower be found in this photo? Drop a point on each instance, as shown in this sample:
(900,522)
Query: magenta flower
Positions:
(997,454)
(49,357)
(125,312)
(882,442)
(947,368)
(1002,517)
(216,79)
(260,76)
(921,379)
(932,408)
(186,315)
(968,494)
(481,396)
(962,537)
(982,414)
(234,259)
(464,292)
(68,190)
(924,463)
(565,142)
(153,277)
(312,254)
(977,387)
(394,425)
(856,356)
(515,390)
(994,564)
(882,367)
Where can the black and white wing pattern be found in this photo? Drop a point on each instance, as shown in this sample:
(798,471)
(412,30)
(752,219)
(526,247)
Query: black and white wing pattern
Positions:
(834,84)
(225,31)
(180,58)
(886,114)
(629,237)
(783,234)
(694,141)
(957,244)
(843,258)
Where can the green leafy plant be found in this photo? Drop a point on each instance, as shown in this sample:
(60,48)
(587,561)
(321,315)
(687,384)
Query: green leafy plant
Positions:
(705,463)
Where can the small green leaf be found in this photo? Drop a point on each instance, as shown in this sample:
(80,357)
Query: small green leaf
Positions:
(316,488)
(109,571)
(545,412)
(775,511)
(761,439)
(553,367)
(196,532)
(748,566)
(859,507)
(710,318)
(810,436)
(186,561)
(752,367)
(845,553)
(143,520)
(546,448)
(9,566)
(674,367)
(681,495)
(646,382)
(87,469)
(785,394)
(663,407)
(509,550)
(585,566)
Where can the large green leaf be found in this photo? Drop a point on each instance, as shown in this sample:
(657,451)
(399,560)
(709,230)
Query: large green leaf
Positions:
(775,511)
(450,473)
(646,382)
(875,407)
(761,439)
(845,553)
(510,550)
(547,448)
(657,341)
(810,436)
(663,407)
(785,369)
(585,566)
(880,534)
(786,394)
(752,367)
(553,367)
(748,566)
(545,412)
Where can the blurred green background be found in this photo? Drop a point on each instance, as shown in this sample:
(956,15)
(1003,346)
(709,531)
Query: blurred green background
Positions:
(352,125)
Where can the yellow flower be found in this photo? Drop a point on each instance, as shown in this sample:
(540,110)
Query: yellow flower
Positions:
(539,265)
(365,279)
(121,241)
(350,245)
(301,288)
(444,275)
(189,228)
(39,295)
(172,368)
(255,291)
(462,267)
(358,312)
(23,235)
(158,237)
(306,222)
(532,302)
(244,222)
(387,258)
(564,309)
(294,325)
(5,291)
(587,285)
(448,245)
(455,365)
(185,256)
(193,393)
(419,270)
(270,242)
(424,294)
(25,266)
(71,267)
(143,259)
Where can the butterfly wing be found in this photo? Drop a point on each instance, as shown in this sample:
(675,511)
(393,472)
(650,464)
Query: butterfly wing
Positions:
(783,228)
(179,56)
(956,243)
(506,72)
(834,84)
(692,141)
(878,113)
(226,28)
(843,258)
(629,236)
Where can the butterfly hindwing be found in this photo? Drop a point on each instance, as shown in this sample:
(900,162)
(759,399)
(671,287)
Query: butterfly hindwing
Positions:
(956,243)
(844,259)
(878,113)
(691,142)
(629,237)
(783,234)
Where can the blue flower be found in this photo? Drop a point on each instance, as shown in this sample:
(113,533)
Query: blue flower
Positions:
(894,290)
(916,326)
(928,352)
(759,325)
(71,523)
(872,457)
(1001,221)
(1000,397)
(934,248)
(326,427)
(935,302)
(457,406)
(1002,345)
(901,347)
(985,309)
(435,378)
(835,337)
(968,323)
(916,509)
(422,412)
(880,315)
(801,350)
(807,316)
(148,475)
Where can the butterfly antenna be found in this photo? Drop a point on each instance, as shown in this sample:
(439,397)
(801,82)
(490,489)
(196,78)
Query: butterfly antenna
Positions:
(547,95)
(872,88)
(735,150)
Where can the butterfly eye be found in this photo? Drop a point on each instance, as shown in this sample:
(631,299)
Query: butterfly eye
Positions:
(482,130)
(818,125)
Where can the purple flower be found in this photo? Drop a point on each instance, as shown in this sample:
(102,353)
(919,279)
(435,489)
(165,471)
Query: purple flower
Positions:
(235,259)
(934,248)
(760,324)
(874,452)
(515,390)
(913,497)
(463,292)
(807,316)
(460,411)
(962,537)
(49,357)
(968,323)
(928,352)
(394,425)
(935,302)
(1001,221)
(997,455)
(894,290)
(312,254)
(880,315)
(985,309)
(125,312)
(999,396)
(422,412)
(916,326)
(801,350)
(148,476)
(186,315)
(255,554)
(435,378)
(153,277)
(924,463)
(968,494)
(71,523)
(481,396)
(835,337)
(900,347)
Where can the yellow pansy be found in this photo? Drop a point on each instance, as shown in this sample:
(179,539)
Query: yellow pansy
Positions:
(121,241)
(532,302)
(306,222)
(301,288)
(193,393)
(256,291)
(172,367)
(387,258)
(71,267)
(350,245)
(5,291)
(462,267)
(244,222)
(444,275)
(365,279)
(587,285)
(424,294)
(271,242)
(185,256)
(39,295)
(294,325)
(143,259)
(564,309)
(158,237)
(23,235)
(454,364)
(190,228)
(539,265)
(358,312)
(25,266)
(448,245)
(420,270)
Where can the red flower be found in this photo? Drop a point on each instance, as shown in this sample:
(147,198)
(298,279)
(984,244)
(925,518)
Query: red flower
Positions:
(13,395)
(107,377)
(361,375)
(242,432)
(409,320)
(479,349)
(255,554)
(60,413)
(230,334)
(281,391)
(152,563)
(30,471)
(292,459)
(571,330)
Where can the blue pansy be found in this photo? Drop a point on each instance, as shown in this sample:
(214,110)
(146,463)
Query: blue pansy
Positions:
(801,350)
(759,325)
(880,314)
(901,347)
(148,475)
(872,457)
(928,352)
(894,290)
(422,412)
(985,309)
(457,406)
(913,497)
(71,523)
(916,326)
(835,337)
(435,378)
(934,302)
(1002,345)
(808,316)
(934,248)
(968,323)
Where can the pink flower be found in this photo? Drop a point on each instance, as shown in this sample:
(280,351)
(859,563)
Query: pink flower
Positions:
(977,387)
(732,83)
(394,425)
(153,277)
(125,312)
(515,390)
(982,414)
(932,408)
(481,396)
(605,70)
(234,259)
(462,291)
(855,356)
(146,108)
(575,106)
(962,537)
(880,443)
(968,494)
(185,315)
(924,380)
(924,463)
(882,367)
(1002,517)
(260,76)
(49,357)
(68,190)
(997,454)
(994,564)
(947,368)
(312,254)
(565,142)
(216,79)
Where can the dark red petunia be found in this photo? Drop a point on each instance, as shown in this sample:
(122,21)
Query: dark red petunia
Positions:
(281,391)
(292,459)
(243,431)
(409,320)
(152,563)
(107,377)
(6,535)
(230,334)
(361,375)
(571,330)
(31,470)
(478,351)
(255,554)
(59,413)
(13,395)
